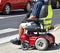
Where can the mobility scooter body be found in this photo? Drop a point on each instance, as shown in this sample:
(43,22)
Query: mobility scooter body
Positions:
(39,37)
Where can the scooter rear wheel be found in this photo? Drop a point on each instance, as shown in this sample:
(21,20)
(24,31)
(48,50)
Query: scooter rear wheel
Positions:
(41,44)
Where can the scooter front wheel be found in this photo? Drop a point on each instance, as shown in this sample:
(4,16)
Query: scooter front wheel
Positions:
(25,46)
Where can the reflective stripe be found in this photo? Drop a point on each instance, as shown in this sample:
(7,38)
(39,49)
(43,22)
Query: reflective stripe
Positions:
(48,19)
(46,24)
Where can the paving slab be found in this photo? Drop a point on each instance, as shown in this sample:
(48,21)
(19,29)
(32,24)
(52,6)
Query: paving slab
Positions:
(11,48)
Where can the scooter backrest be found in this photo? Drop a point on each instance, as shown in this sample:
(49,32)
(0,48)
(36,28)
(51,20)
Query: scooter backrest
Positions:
(44,10)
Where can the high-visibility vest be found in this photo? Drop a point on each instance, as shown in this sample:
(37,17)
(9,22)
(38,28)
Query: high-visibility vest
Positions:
(47,21)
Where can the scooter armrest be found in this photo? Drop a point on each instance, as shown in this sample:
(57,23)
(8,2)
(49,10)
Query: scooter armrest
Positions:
(29,20)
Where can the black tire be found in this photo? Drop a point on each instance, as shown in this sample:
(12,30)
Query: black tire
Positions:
(41,44)
(25,46)
(7,9)
(57,4)
(28,7)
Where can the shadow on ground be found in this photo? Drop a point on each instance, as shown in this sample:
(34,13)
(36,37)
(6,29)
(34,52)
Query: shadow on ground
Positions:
(54,47)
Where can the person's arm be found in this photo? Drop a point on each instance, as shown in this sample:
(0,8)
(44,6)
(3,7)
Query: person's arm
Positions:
(36,10)
(27,16)
(32,17)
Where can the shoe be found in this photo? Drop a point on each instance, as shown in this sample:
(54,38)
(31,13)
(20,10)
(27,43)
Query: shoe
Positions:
(15,41)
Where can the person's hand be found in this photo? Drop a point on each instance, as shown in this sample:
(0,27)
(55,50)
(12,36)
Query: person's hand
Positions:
(26,20)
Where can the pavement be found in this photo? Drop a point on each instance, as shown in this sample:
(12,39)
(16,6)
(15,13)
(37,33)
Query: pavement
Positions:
(7,47)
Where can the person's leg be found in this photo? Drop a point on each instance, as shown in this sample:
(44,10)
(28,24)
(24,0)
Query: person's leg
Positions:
(21,30)
(17,39)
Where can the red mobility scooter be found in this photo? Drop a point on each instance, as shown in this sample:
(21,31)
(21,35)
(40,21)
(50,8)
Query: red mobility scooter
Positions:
(39,37)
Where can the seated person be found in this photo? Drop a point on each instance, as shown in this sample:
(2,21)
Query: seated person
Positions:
(34,14)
